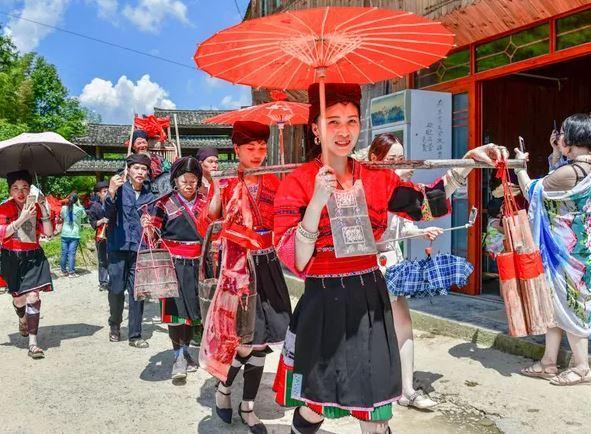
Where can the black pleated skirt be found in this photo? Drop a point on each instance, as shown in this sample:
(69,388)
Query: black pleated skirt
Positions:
(346,353)
(273,307)
(183,309)
(25,271)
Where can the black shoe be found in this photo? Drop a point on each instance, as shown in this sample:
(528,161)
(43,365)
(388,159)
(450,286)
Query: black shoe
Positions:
(258,428)
(103,287)
(225,414)
(115,334)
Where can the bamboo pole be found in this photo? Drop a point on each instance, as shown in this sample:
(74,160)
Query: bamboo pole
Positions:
(408,164)
(176,132)
(129,146)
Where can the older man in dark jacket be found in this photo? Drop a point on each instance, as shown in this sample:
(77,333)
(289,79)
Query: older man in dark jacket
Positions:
(123,208)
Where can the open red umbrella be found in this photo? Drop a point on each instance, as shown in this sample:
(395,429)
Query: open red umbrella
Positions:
(272,113)
(293,49)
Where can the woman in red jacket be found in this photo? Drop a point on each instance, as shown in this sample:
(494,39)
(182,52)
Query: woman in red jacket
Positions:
(340,356)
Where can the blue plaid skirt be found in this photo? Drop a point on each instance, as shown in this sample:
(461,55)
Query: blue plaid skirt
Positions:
(427,277)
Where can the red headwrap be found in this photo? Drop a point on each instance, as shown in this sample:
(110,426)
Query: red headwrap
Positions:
(247,131)
(335,93)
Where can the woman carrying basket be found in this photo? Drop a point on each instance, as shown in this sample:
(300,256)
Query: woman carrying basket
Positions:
(248,256)
(174,217)
(560,212)
(343,355)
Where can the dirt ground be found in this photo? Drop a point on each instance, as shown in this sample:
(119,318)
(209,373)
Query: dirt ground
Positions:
(88,384)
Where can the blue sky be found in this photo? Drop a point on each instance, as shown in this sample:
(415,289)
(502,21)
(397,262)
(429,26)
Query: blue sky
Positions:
(114,82)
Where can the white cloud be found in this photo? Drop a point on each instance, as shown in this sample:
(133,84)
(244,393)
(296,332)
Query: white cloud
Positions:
(244,98)
(147,15)
(212,82)
(27,35)
(106,8)
(117,103)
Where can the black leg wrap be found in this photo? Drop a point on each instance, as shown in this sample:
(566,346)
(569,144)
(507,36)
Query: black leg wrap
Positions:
(33,313)
(234,369)
(253,374)
(20,311)
(300,425)
(174,333)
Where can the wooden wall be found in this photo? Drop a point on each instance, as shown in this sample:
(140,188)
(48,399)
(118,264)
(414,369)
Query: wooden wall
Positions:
(470,20)
(527,106)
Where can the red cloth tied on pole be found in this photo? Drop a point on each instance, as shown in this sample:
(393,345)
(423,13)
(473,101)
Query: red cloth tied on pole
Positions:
(153,126)
(523,284)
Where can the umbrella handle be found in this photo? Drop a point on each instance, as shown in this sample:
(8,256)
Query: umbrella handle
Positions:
(429,250)
(321,75)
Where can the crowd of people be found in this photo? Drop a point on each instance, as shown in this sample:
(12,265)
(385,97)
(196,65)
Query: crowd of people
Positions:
(347,346)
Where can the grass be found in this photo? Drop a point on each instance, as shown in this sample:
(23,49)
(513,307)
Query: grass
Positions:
(86,258)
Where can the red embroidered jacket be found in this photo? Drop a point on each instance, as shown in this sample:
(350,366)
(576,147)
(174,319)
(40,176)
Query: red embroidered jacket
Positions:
(9,213)
(384,191)
(263,214)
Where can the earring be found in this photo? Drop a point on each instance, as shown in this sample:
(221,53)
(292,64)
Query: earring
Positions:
(316,140)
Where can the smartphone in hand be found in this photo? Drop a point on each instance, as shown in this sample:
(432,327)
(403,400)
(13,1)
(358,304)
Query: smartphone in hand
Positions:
(31,199)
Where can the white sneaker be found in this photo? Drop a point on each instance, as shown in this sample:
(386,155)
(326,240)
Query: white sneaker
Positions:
(417,400)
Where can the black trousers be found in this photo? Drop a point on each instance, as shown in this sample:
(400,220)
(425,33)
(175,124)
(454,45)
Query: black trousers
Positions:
(103,262)
(122,275)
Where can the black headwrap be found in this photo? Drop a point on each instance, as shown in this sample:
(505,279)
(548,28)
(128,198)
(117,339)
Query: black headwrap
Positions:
(19,175)
(335,93)
(100,185)
(138,134)
(140,158)
(247,131)
(185,165)
(205,153)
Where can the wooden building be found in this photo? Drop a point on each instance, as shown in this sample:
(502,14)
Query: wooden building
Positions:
(518,67)
(106,143)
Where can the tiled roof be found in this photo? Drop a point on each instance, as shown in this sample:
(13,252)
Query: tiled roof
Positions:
(97,165)
(116,135)
(190,118)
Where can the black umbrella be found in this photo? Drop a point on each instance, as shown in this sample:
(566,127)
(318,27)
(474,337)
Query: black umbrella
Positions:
(40,153)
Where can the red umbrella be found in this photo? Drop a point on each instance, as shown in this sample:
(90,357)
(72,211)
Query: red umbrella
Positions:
(293,49)
(272,113)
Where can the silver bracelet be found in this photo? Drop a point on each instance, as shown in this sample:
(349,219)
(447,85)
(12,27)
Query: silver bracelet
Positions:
(45,219)
(307,235)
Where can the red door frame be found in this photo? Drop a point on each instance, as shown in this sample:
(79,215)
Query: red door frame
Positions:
(472,84)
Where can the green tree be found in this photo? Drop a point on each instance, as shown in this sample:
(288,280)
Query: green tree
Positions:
(34,99)
(32,94)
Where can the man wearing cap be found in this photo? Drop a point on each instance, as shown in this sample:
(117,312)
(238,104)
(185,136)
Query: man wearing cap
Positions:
(98,221)
(123,208)
(139,144)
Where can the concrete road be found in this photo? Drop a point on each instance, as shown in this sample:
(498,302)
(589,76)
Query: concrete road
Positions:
(88,384)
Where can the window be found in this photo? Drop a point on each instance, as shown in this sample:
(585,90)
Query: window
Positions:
(459,146)
(454,66)
(513,48)
(573,30)
(264,10)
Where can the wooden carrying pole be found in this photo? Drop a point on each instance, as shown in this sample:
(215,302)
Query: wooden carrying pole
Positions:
(408,164)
